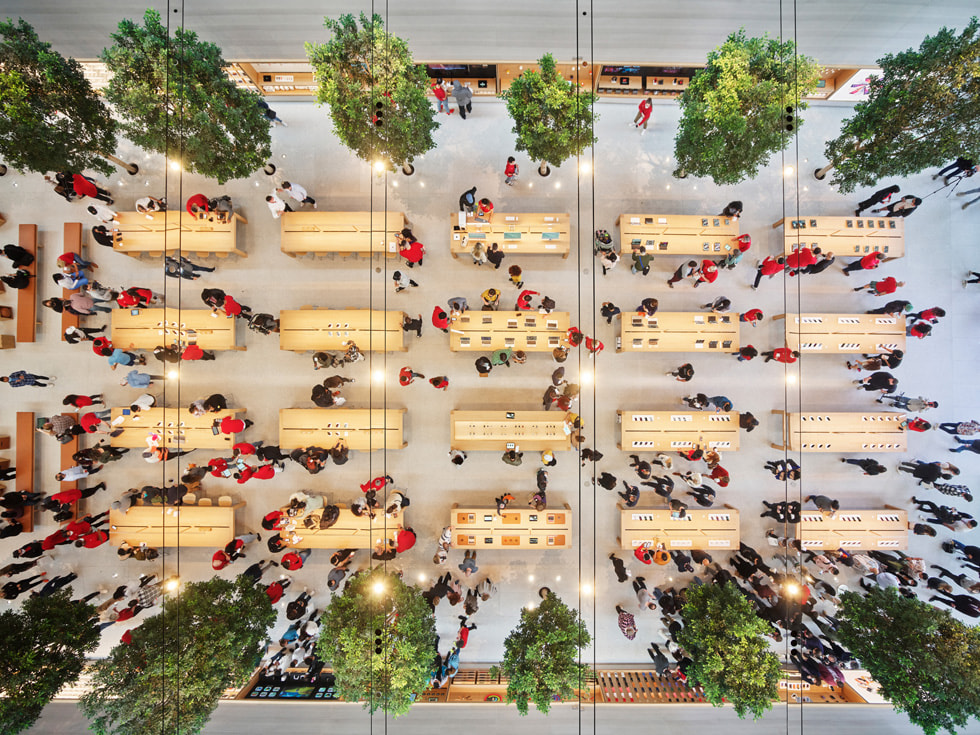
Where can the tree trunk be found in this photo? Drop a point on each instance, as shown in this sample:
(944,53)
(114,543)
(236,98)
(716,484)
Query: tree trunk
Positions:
(269,169)
(408,169)
(544,169)
(820,173)
(131,168)
(3,170)
(680,174)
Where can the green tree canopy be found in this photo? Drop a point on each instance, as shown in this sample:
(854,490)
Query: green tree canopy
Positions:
(170,678)
(376,93)
(541,655)
(42,648)
(394,619)
(923,111)
(553,118)
(732,114)
(726,641)
(50,117)
(176,99)
(926,661)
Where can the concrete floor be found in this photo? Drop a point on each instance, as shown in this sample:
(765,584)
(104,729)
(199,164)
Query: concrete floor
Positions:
(632,173)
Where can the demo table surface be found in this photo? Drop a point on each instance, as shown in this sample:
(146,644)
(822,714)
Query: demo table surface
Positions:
(502,430)
(885,528)
(677,234)
(168,231)
(349,532)
(703,529)
(844,333)
(513,232)
(848,237)
(330,232)
(145,329)
(360,428)
(178,427)
(168,526)
(814,431)
(660,431)
(517,528)
(678,331)
(517,330)
(304,330)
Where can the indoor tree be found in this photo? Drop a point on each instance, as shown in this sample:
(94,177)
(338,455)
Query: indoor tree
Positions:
(541,655)
(926,661)
(380,638)
(170,677)
(50,117)
(175,99)
(42,649)
(376,93)
(730,653)
(733,112)
(553,118)
(922,111)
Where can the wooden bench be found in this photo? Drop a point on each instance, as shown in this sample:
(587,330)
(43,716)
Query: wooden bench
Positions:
(24,462)
(27,297)
(372,330)
(515,234)
(73,244)
(886,528)
(340,233)
(503,430)
(677,234)
(349,532)
(847,237)
(517,528)
(517,330)
(362,428)
(702,529)
(675,431)
(678,331)
(813,431)
(843,333)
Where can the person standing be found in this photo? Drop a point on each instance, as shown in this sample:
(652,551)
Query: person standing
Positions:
(463,97)
(511,171)
(467,200)
(438,88)
(643,115)
(879,381)
(298,193)
(879,197)
(685,271)
(276,205)
(85,187)
(641,261)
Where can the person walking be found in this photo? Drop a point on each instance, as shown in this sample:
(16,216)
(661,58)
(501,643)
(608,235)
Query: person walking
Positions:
(902,208)
(608,311)
(965,205)
(882,196)
(626,622)
(23,379)
(962,428)
(781,354)
(684,373)
(183,268)
(464,98)
(402,282)
(867,263)
(960,167)
(879,381)
(297,193)
(511,171)
(914,405)
(869,465)
(685,271)
(643,115)
(768,267)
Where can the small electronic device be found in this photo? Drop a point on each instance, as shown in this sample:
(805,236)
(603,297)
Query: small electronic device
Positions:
(135,312)
(510,414)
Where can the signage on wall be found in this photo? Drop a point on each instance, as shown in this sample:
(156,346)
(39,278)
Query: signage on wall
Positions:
(855,89)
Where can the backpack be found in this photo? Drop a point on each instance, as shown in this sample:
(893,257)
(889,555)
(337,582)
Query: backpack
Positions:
(329,516)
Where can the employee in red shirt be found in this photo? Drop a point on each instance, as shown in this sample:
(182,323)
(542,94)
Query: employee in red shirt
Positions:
(440,319)
(769,267)
(85,187)
(231,425)
(781,354)
(404,539)
(194,352)
(92,540)
(524,300)
(412,251)
(707,273)
(643,115)
(867,263)
(276,590)
(293,560)
(217,466)
(883,287)
(801,258)
(440,381)
(752,316)
(197,203)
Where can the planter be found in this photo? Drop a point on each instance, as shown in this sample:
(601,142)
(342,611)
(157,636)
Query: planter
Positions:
(544,169)
(408,169)
(270,169)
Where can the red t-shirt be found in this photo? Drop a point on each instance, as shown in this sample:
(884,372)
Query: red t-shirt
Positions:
(96,538)
(90,422)
(783,354)
(217,465)
(81,401)
(709,271)
(232,307)
(917,331)
(464,636)
(199,200)
(510,169)
(83,187)
(244,448)
(800,258)
(524,300)
(55,539)
(440,382)
(412,252)
(643,555)
(440,319)
(886,285)
(272,518)
(438,91)
(752,315)
(264,472)
(127,637)
(770,266)
(76,529)
(870,261)
(99,343)
(929,315)
(275,592)
(245,475)
(720,475)
(404,540)
(231,425)
(192,352)
(405,376)
(918,424)
(68,496)
(646,107)
(220,560)
(292,561)
(126,613)
(126,300)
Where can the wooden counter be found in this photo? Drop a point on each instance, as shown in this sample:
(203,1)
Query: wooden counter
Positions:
(160,526)
(305,330)
(677,331)
(502,430)
(842,432)
(145,329)
(349,532)
(519,330)
(847,237)
(886,528)
(705,529)
(169,231)
(361,233)
(664,431)
(843,333)
(523,234)
(705,235)
(362,428)
(179,427)
(514,528)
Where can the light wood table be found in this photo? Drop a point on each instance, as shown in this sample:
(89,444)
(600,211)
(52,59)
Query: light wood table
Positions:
(814,431)
(349,532)
(843,333)
(665,431)
(886,528)
(518,330)
(515,233)
(166,232)
(305,330)
(362,428)
(704,529)
(518,528)
(677,234)
(321,233)
(169,526)
(678,331)
(848,237)
(502,430)
(145,329)
(179,428)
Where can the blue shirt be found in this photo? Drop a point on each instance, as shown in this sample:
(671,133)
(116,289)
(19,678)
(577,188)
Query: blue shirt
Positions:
(118,357)
(137,379)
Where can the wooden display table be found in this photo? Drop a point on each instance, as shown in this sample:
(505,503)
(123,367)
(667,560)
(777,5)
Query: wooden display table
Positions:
(847,237)
(842,432)
(145,329)
(320,233)
(27,320)
(664,431)
(844,333)
(678,331)
(362,428)
(704,529)
(518,330)
(515,233)
(168,526)
(306,330)
(73,245)
(166,232)
(518,528)
(855,529)
(179,427)
(349,532)
(503,430)
(677,234)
